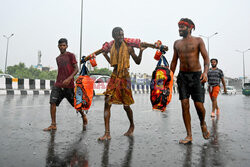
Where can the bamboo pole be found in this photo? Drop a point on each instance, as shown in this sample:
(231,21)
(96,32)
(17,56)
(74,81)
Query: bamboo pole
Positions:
(143,44)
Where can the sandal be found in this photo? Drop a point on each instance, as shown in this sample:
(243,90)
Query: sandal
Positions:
(186,141)
(206,134)
(50,128)
(106,136)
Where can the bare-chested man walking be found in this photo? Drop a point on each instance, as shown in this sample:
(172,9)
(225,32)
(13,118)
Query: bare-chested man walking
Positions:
(119,87)
(190,79)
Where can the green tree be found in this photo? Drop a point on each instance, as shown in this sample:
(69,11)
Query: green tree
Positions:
(1,71)
(18,71)
(21,71)
(51,75)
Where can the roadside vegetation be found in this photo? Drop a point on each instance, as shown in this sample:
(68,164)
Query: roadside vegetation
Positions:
(21,71)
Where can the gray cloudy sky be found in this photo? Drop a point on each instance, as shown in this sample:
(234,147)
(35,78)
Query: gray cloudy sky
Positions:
(38,24)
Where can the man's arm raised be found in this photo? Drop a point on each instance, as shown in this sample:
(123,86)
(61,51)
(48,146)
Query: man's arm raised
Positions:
(136,58)
(105,54)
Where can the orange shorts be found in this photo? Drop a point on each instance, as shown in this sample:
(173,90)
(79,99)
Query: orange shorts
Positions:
(214,91)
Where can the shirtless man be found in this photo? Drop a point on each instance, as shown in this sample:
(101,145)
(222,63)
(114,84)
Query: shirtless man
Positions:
(119,87)
(190,79)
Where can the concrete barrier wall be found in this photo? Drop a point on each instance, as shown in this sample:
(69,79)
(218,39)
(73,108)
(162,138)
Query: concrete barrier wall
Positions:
(17,86)
(140,89)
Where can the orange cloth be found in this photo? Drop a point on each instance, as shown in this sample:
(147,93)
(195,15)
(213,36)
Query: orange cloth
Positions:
(119,89)
(214,91)
(120,59)
(83,101)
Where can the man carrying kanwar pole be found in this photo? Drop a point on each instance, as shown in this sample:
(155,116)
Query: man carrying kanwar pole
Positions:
(215,75)
(119,87)
(190,79)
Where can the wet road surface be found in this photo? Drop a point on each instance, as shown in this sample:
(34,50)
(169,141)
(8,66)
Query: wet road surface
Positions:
(155,140)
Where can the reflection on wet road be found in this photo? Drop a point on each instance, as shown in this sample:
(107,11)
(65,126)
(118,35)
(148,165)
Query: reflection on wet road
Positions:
(155,140)
(73,156)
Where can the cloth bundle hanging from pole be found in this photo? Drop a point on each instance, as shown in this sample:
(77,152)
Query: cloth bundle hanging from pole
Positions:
(84,86)
(161,85)
(133,42)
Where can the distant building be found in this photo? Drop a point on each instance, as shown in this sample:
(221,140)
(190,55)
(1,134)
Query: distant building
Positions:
(39,65)
(45,68)
(39,61)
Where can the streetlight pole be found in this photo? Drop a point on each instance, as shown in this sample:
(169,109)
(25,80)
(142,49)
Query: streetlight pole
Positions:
(243,52)
(81,35)
(208,37)
(7,37)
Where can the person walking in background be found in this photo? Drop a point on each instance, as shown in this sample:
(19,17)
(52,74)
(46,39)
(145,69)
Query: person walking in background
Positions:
(215,75)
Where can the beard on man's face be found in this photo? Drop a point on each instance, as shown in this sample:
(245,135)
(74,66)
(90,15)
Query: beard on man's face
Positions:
(183,33)
(214,65)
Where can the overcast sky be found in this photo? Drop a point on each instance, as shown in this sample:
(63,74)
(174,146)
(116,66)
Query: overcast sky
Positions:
(38,24)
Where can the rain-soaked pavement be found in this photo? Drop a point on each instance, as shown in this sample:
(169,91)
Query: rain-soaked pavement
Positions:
(155,140)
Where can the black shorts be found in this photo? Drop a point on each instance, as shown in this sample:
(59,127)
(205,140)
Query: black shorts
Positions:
(189,84)
(58,94)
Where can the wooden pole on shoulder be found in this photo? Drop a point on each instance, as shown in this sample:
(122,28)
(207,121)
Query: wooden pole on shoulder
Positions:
(143,44)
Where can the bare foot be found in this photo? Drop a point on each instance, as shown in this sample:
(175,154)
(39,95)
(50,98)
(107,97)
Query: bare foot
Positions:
(50,128)
(130,131)
(186,140)
(106,136)
(205,132)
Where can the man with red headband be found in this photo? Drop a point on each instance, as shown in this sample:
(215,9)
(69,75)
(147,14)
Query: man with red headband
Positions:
(190,79)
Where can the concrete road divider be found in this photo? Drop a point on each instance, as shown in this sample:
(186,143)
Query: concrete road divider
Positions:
(16,86)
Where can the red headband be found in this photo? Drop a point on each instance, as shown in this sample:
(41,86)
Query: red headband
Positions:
(186,24)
